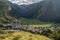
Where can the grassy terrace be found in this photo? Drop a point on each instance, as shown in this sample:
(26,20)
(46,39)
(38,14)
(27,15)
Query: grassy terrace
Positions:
(22,36)
(42,25)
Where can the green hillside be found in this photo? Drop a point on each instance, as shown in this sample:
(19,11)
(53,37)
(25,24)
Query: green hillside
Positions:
(4,11)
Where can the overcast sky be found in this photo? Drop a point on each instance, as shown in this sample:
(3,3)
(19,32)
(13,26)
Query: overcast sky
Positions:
(25,0)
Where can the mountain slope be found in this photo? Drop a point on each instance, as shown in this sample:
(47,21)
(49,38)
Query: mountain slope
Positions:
(46,10)
(49,11)
(22,10)
(4,11)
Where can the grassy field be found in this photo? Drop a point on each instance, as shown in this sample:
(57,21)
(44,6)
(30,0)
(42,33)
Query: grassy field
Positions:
(35,23)
(22,36)
(43,25)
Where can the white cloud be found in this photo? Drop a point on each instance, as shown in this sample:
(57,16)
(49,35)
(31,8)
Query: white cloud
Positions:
(21,2)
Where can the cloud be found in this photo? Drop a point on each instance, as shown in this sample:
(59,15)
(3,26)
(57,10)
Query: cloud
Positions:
(25,1)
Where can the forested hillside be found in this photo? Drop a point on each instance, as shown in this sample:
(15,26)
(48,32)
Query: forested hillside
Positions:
(4,11)
(46,10)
